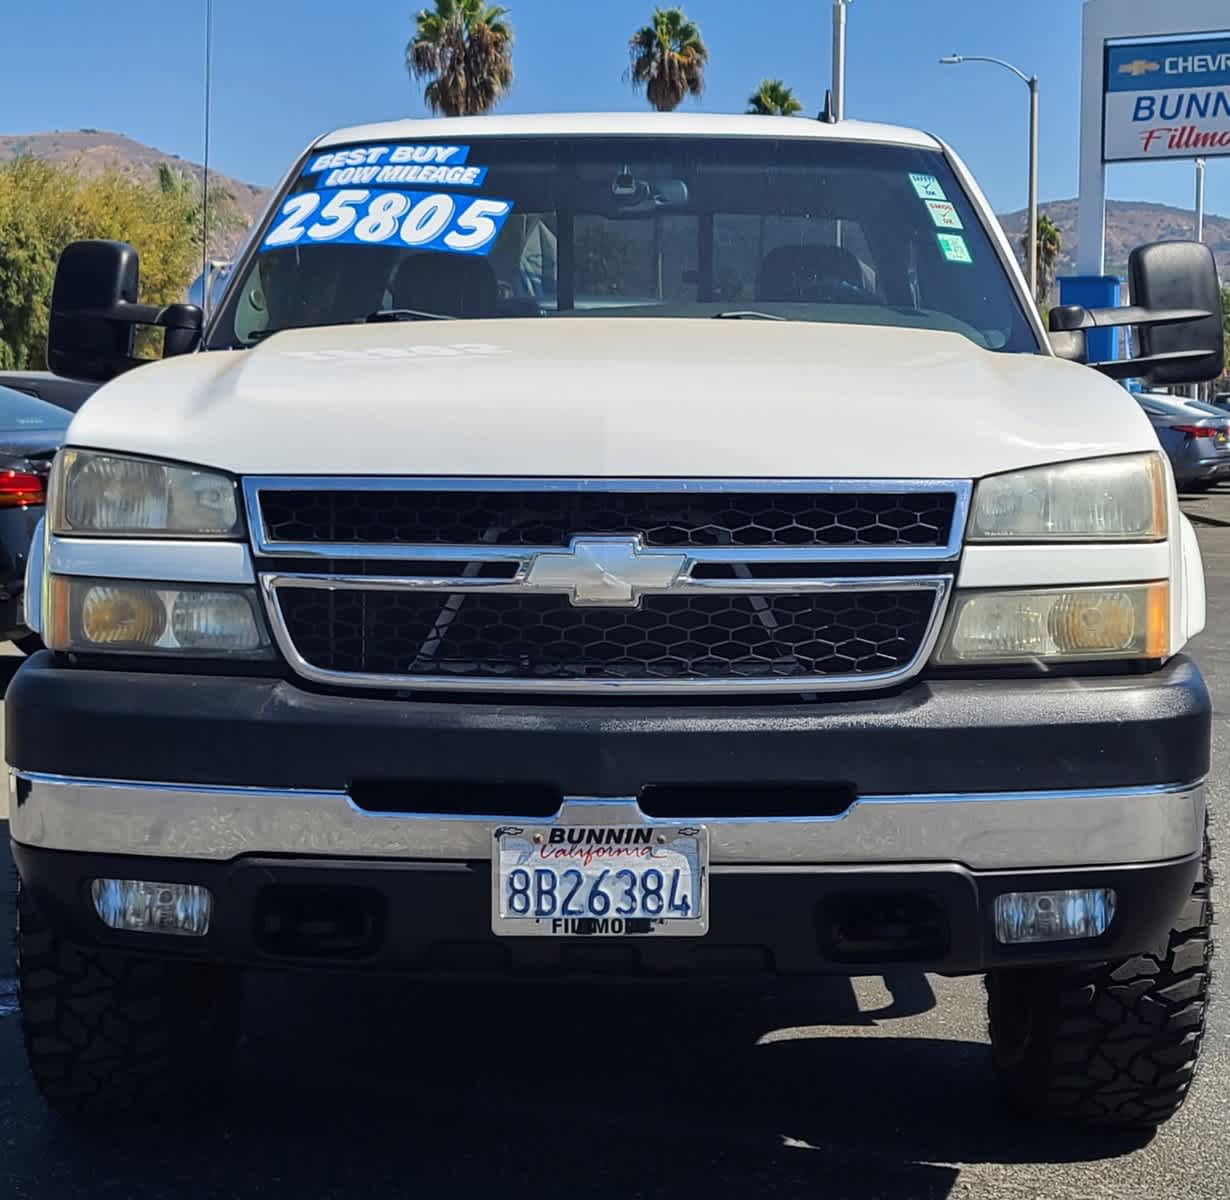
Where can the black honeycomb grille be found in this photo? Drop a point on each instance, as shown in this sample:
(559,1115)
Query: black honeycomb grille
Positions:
(491,635)
(516,518)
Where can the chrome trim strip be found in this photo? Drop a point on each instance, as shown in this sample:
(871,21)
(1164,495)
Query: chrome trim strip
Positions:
(684,586)
(780,685)
(265,546)
(166,560)
(983,830)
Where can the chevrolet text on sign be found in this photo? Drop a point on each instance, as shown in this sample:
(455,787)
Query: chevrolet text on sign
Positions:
(1167,99)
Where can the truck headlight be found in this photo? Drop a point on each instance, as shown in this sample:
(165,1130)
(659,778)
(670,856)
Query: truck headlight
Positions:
(109,494)
(1122,498)
(89,615)
(1057,624)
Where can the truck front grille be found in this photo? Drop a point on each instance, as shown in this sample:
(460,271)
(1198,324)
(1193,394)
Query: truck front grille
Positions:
(510,637)
(552,518)
(593,585)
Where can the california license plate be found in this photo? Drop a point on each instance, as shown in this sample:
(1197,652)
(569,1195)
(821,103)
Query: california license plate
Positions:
(600,880)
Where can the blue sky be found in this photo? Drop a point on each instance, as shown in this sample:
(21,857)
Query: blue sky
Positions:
(287,70)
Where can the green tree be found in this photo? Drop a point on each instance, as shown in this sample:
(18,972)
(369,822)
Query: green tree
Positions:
(44,206)
(183,192)
(668,59)
(464,49)
(1050,242)
(773,99)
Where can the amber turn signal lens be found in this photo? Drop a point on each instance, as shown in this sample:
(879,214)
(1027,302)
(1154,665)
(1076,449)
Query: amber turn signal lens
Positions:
(122,614)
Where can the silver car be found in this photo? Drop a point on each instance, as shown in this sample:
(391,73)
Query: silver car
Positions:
(1195,436)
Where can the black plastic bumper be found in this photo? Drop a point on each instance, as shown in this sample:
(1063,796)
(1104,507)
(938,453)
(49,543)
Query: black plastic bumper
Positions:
(937,736)
(435,918)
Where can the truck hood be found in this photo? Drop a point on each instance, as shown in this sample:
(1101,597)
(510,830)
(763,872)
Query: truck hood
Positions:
(614,397)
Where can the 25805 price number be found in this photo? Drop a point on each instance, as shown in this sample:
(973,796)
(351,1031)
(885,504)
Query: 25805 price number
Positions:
(361,216)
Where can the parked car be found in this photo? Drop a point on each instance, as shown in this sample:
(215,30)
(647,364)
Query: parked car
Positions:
(1195,436)
(613,644)
(68,394)
(30,433)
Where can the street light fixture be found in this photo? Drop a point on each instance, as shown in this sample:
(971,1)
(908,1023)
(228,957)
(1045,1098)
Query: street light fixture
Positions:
(1030,81)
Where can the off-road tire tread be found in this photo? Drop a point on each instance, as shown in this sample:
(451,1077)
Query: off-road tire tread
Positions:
(109,1035)
(1114,1044)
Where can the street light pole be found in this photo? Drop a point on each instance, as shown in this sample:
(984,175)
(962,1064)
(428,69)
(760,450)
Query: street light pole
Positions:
(839,59)
(1033,186)
(1030,81)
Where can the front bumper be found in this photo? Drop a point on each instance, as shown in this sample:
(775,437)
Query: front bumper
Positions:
(936,799)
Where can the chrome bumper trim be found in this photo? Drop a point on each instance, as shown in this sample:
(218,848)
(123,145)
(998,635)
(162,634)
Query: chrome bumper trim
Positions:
(983,831)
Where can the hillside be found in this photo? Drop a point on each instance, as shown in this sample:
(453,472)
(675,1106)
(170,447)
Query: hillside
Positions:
(1128,223)
(94,150)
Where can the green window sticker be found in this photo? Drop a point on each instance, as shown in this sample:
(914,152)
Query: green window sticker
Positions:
(927,187)
(953,247)
(944,214)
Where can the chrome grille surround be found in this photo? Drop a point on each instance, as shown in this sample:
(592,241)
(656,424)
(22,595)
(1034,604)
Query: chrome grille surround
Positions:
(509,569)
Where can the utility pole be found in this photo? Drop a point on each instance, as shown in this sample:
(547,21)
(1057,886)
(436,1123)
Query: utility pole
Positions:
(839,59)
(1200,199)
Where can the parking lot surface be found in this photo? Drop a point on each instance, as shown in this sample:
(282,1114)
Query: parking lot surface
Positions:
(360,1087)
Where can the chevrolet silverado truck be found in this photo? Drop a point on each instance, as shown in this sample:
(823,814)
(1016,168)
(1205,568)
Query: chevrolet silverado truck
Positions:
(617,546)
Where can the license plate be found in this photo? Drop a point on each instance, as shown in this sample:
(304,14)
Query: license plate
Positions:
(600,881)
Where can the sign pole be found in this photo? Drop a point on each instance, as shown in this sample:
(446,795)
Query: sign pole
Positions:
(1200,199)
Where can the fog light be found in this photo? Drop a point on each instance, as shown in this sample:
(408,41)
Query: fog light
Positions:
(140,906)
(1058,916)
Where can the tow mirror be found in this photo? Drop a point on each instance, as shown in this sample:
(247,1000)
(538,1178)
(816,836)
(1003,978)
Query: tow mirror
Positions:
(94,313)
(1179,275)
(1176,310)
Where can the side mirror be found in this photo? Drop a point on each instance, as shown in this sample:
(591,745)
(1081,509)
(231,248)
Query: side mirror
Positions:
(1179,275)
(94,313)
(1176,308)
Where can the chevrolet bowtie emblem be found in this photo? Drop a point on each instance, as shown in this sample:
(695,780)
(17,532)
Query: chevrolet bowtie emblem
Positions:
(1138,67)
(613,571)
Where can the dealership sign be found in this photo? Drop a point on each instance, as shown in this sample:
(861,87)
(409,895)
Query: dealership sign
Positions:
(1166,99)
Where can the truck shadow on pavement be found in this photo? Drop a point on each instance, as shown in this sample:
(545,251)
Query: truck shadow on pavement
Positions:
(376,1088)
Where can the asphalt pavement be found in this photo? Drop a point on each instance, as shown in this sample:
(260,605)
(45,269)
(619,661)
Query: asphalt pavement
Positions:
(876,1090)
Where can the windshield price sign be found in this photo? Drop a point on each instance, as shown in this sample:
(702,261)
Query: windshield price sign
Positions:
(1167,99)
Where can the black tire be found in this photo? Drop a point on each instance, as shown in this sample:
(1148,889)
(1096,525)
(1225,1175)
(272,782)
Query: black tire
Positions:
(111,1036)
(29,643)
(1110,1044)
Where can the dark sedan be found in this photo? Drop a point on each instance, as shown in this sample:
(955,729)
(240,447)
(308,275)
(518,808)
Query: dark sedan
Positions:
(1195,436)
(30,433)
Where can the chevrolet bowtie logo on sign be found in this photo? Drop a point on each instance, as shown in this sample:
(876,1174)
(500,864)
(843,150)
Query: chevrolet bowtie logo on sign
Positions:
(610,571)
(1138,67)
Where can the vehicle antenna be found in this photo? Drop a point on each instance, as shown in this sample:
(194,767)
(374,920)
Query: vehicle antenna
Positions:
(209,48)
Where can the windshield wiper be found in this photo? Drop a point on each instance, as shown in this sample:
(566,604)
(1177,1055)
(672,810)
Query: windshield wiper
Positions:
(746,314)
(405,314)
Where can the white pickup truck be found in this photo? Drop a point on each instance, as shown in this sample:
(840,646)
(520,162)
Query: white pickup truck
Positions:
(617,546)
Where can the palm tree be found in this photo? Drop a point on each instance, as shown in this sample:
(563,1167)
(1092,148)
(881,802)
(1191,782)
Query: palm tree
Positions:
(668,59)
(464,49)
(1050,242)
(773,99)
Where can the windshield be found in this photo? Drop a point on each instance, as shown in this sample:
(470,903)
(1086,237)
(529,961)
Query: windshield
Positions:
(19,411)
(790,228)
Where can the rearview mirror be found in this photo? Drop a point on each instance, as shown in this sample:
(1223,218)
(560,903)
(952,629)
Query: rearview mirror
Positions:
(94,313)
